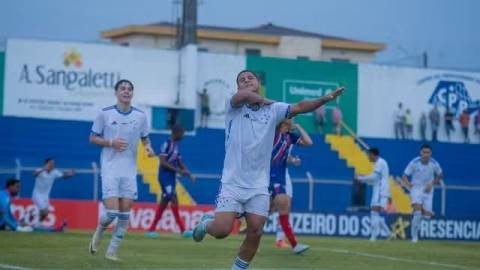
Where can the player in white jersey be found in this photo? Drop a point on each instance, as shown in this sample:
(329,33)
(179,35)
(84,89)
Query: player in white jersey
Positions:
(424,173)
(250,129)
(380,192)
(44,179)
(118,129)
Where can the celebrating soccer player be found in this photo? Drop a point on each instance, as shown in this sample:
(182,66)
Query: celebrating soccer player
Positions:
(117,129)
(250,129)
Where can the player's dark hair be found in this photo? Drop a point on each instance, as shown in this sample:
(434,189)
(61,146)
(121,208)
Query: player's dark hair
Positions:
(48,159)
(12,181)
(123,81)
(177,128)
(244,71)
(426,146)
(374,151)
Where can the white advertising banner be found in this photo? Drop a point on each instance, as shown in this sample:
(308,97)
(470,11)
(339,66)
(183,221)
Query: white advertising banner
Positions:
(73,81)
(382,88)
(216,75)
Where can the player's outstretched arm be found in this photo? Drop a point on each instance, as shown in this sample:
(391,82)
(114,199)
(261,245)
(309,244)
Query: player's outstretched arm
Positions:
(248,97)
(185,170)
(369,179)
(164,163)
(406,182)
(119,143)
(311,105)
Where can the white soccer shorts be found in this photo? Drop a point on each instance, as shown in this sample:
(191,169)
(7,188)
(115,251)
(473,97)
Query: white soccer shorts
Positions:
(418,196)
(378,200)
(119,187)
(243,200)
(41,202)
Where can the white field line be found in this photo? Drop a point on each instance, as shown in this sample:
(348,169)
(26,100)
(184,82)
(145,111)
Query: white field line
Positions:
(13,267)
(389,258)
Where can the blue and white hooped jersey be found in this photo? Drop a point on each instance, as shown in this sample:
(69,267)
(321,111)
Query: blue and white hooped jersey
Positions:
(281,148)
(171,153)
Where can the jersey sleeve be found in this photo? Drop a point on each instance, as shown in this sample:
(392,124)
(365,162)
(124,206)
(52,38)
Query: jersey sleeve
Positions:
(409,170)
(281,111)
(98,125)
(58,173)
(164,149)
(145,128)
(6,214)
(438,170)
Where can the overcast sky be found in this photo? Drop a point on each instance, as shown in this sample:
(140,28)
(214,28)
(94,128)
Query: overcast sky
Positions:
(448,30)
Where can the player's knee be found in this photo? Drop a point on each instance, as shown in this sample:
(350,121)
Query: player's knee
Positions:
(255,232)
(222,232)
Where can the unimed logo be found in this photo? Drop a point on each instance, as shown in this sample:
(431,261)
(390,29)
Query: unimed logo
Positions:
(71,74)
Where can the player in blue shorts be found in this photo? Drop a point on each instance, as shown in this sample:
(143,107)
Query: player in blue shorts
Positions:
(283,141)
(170,164)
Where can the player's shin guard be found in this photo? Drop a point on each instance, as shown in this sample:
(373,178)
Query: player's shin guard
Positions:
(119,232)
(287,229)
(416,220)
(105,220)
(374,224)
(178,219)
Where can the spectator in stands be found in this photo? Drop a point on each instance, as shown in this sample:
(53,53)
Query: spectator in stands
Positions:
(423,127)
(408,125)
(399,122)
(320,118)
(449,122)
(337,118)
(204,108)
(464,123)
(390,208)
(44,179)
(476,122)
(434,122)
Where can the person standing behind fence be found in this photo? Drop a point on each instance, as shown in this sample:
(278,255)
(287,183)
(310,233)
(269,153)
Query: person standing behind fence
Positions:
(476,122)
(465,123)
(423,127)
(204,108)
(320,118)
(337,118)
(449,123)
(399,122)
(408,125)
(434,122)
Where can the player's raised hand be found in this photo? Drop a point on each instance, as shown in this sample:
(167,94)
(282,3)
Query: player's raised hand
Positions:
(119,144)
(338,92)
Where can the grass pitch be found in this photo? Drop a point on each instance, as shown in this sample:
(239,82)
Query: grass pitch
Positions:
(27,251)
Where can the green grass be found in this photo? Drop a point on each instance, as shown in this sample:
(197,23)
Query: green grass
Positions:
(70,251)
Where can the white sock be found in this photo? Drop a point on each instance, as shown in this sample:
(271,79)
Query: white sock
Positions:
(105,220)
(417,218)
(240,264)
(280,234)
(119,232)
(384,227)
(374,224)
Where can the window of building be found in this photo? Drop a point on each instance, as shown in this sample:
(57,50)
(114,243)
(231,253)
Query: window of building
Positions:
(250,51)
(341,60)
(303,57)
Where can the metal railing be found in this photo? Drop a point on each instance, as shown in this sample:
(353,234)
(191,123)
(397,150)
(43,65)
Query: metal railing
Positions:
(19,168)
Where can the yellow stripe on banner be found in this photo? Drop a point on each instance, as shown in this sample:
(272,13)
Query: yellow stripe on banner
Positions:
(350,151)
(148,167)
